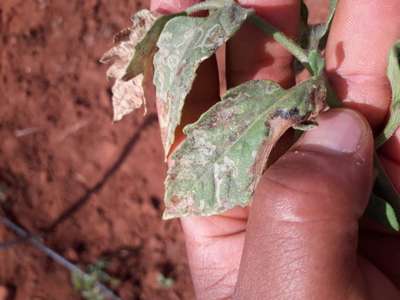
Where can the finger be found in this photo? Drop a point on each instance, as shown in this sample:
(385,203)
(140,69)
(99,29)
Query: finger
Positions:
(384,252)
(302,232)
(358,45)
(171,6)
(205,90)
(253,55)
(214,247)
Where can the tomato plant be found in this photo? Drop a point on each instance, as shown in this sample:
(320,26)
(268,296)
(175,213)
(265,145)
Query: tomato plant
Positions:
(225,152)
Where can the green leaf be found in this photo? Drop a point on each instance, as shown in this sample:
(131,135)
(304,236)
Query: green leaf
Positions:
(128,95)
(184,43)
(381,211)
(223,157)
(393,73)
(384,189)
(304,28)
(316,62)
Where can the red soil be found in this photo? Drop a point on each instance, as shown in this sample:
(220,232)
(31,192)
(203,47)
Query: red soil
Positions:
(58,147)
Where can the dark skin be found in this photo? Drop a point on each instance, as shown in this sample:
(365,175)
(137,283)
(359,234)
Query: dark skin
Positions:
(301,238)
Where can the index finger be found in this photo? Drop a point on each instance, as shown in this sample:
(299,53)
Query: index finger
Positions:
(253,55)
(362,34)
(171,6)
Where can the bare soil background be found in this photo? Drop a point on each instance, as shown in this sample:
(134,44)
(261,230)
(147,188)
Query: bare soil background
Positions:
(59,147)
(92,189)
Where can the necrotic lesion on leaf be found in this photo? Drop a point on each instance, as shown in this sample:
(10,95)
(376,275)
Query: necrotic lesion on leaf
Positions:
(224,155)
(132,59)
(184,43)
(128,95)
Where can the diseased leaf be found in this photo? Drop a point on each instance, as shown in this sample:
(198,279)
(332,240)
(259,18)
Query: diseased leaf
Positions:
(316,62)
(393,73)
(145,49)
(127,95)
(223,157)
(184,43)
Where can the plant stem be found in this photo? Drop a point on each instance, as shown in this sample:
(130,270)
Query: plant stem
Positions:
(281,38)
(54,255)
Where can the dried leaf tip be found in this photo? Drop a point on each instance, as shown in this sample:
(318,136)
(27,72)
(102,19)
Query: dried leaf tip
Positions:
(127,95)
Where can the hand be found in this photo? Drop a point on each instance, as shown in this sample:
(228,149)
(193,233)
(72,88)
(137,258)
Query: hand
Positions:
(300,238)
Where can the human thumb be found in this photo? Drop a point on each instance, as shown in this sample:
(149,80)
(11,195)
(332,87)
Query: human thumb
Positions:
(301,238)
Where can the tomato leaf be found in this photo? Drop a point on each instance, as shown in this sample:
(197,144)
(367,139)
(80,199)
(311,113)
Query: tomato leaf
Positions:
(145,49)
(184,43)
(383,212)
(384,190)
(316,62)
(128,95)
(393,73)
(224,155)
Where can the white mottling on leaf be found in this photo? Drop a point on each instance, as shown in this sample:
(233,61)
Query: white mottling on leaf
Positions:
(183,45)
(221,161)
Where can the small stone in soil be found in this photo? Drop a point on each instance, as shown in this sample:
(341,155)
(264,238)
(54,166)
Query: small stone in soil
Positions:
(71,255)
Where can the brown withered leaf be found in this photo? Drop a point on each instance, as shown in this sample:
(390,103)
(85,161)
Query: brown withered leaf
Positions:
(128,95)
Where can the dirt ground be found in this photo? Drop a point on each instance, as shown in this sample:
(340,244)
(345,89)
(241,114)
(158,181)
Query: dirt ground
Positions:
(92,189)
(59,147)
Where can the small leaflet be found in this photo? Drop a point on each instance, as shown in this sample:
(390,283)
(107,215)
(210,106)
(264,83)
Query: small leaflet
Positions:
(219,164)
(384,191)
(183,44)
(383,212)
(393,73)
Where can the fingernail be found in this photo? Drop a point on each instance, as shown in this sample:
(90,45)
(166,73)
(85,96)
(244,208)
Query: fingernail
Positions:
(339,130)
